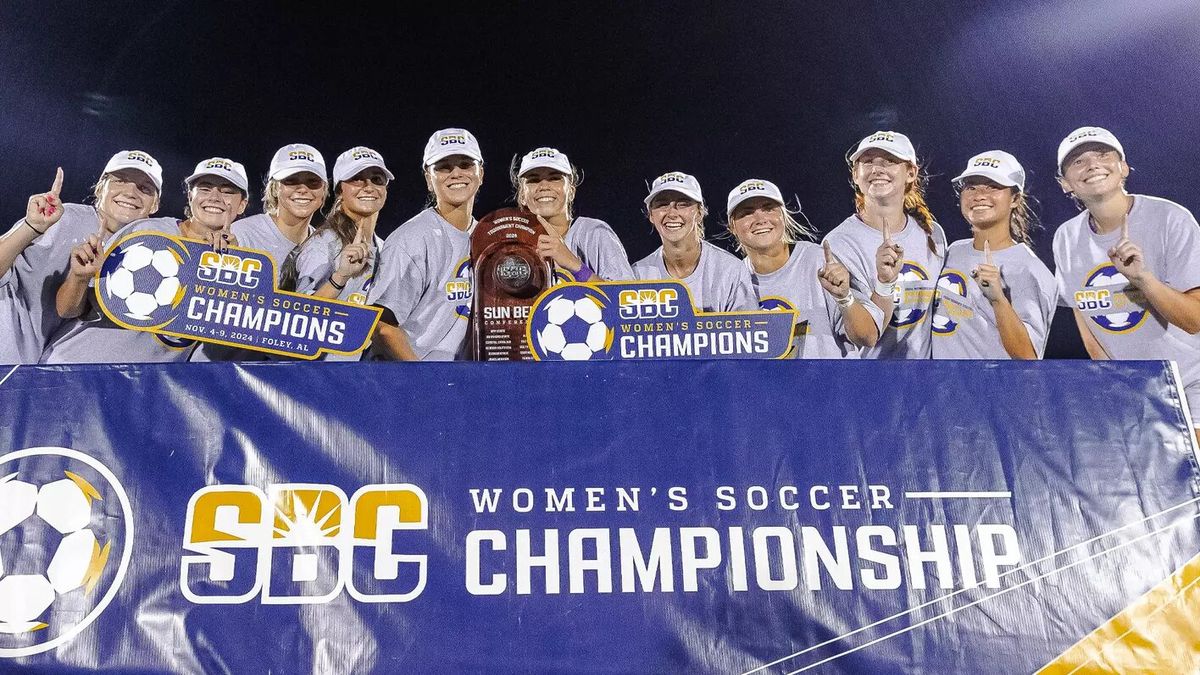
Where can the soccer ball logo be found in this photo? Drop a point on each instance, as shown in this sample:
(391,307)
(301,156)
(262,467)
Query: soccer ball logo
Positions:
(77,560)
(143,280)
(911,275)
(949,282)
(569,325)
(62,513)
(1107,277)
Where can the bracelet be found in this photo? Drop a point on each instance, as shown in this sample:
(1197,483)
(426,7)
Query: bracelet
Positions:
(40,232)
(340,287)
(583,273)
(885,290)
(846,301)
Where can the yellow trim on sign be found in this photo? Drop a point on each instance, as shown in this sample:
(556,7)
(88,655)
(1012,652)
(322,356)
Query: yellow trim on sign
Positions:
(1158,633)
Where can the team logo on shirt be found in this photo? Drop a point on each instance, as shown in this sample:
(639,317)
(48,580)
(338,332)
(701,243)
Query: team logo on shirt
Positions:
(458,289)
(912,300)
(944,323)
(1107,289)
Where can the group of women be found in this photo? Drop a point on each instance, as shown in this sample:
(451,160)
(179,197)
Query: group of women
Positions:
(884,283)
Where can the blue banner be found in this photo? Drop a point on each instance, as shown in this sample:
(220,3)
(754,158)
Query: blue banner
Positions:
(715,517)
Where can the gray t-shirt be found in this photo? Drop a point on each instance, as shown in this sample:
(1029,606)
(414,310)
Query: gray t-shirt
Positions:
(720,282)
(599,248)
(260,233)
(1116,312)
(94,338)
(908,335)
(964,321)
(820,326)
(424,278)
(27,307)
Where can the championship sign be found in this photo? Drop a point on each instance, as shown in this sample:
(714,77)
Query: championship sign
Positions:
(619,320)
(651,531)
(183,288)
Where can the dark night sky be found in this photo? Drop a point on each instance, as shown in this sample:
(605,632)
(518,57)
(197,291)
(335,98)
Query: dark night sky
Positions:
(629,90)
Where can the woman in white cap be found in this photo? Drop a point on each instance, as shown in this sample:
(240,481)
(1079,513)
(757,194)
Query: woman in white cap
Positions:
(833,320)
(424,284)
(718,281)
(295,191)
(217,193)
(339,260)
(581,248)
(36,253)
(1129,265)
(995,297)
(892,245)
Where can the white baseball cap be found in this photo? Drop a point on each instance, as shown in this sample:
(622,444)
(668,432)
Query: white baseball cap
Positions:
(136,159)
(222,168)
(676,181)
(548,158)
(449,142)
(892,142)
(1087,135)
(748,189)
(296,158)
(997,166)
(353,161)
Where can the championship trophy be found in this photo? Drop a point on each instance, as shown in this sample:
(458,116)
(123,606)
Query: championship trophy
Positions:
(509,276)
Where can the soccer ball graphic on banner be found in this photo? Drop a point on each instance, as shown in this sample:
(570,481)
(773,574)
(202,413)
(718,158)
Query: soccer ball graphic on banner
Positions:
(143,279)
(54,519)
(574,327)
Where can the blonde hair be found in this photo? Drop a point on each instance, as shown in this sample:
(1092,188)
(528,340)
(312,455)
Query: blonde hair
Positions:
(793,229)
(573,181)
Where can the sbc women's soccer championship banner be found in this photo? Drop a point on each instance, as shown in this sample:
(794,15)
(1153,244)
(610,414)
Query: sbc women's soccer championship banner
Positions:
(724,517)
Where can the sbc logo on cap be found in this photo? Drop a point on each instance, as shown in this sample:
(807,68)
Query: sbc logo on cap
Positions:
(752,185)
(218,164)
(142,157)
(545,152)
(988,162)
(363,153)
(300,155)
(672,178)
(453,139)
(885,136)
(1082,134)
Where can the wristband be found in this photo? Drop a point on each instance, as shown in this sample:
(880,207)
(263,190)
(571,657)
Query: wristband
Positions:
(40,232)
(583,273)
(340,287)
(846,301)
(885,290)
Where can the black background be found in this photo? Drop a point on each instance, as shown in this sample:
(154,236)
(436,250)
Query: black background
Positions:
(726,92)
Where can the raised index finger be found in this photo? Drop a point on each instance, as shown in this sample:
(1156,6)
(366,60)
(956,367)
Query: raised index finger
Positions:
(1125,228)
(987,252)
(358,234)
(828,252)
(58,180)
(887,232)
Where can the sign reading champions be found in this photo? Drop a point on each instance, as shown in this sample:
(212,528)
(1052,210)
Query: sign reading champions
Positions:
(648,320)
(182,288)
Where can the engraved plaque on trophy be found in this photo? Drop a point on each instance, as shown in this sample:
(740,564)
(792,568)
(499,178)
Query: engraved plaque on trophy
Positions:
(509,276)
